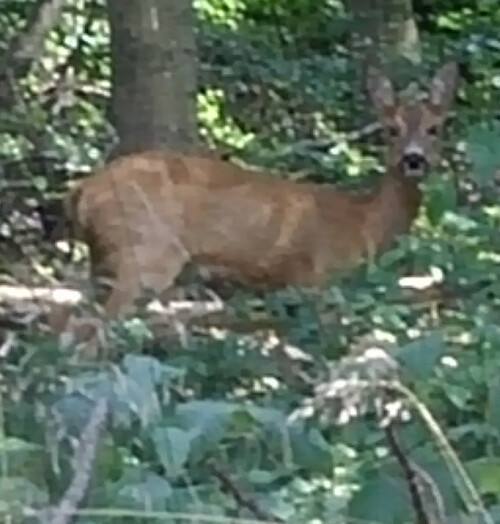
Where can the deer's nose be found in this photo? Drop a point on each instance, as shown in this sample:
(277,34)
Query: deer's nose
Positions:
(414,160)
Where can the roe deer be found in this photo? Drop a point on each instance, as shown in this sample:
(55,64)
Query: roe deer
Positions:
(146,216)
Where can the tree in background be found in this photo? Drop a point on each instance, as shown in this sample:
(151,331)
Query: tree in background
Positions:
(153,74)
(385,28)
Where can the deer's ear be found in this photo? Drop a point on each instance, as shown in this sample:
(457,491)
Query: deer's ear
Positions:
(443,85)
(380,89)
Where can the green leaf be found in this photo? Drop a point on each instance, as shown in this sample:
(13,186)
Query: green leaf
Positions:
(40,183)
(310,450)
(23,458)
(206,422)
(172,446)
(272,419)
(370,504)
(149,371)
(199,499)
(459,222)
(440,196)
(142,490)
(262,477)
(143,370)
(419,357)
(74,410)
(13,446)
(459,395)
(16,492)
(493,406)
(483,151)
(140,398)
(485,473)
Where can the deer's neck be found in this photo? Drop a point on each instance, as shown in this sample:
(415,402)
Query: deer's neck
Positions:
(391,210)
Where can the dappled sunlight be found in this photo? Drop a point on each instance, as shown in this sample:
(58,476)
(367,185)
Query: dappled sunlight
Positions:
(312,144)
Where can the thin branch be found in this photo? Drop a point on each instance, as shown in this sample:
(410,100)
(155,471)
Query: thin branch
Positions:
(82,465)
(432,493)
(26,48)
(411,477)
(242,499)
(329,390)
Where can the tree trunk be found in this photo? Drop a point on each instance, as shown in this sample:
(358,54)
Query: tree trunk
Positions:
(153,75)
(385,28)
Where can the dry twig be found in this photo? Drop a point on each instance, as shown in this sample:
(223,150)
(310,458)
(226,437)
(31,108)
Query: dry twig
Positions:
(242,499)
(82,465)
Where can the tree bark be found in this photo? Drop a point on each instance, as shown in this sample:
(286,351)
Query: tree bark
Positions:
(384,28)
(153,75)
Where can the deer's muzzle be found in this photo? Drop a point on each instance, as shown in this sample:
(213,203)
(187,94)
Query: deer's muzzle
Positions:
(414,164)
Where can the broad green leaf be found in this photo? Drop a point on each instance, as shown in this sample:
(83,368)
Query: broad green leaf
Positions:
(74,410)
(14,446)
(419,357)
(143,370)
(241,422)
(140,489)
(126,394)
(149,371)
(493,406)
(311,451)
(458,394)
(41,183)
(483,151)
(459,222)
(308,447)
(440,196)
(199,499)
(469,430)
(172,446)
(262,477)
(22,457)
(335,507)
(370,504)
(206,422)
(485,473)
(140,399)
(17,492)
(271,418)
(94,386)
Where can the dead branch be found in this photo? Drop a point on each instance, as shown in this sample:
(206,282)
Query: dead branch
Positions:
(412,478)
(242,499)
(27,47)
(82,465)
(433,500)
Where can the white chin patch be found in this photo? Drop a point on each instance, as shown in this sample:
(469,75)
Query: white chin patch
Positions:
(419,172)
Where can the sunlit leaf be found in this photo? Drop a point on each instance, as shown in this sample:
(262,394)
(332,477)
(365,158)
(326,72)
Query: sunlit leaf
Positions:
(440,196)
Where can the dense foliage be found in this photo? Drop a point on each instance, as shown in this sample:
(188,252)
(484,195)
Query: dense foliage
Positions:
(201,425)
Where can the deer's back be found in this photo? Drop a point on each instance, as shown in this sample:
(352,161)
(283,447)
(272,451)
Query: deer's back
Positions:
(234,223)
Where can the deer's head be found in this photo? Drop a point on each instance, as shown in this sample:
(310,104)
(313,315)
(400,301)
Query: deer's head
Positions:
(413,129)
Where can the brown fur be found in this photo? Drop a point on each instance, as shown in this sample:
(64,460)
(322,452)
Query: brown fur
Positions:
(146,216)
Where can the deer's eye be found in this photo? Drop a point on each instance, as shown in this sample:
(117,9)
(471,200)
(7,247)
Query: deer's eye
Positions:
(432,131)
(393,131)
